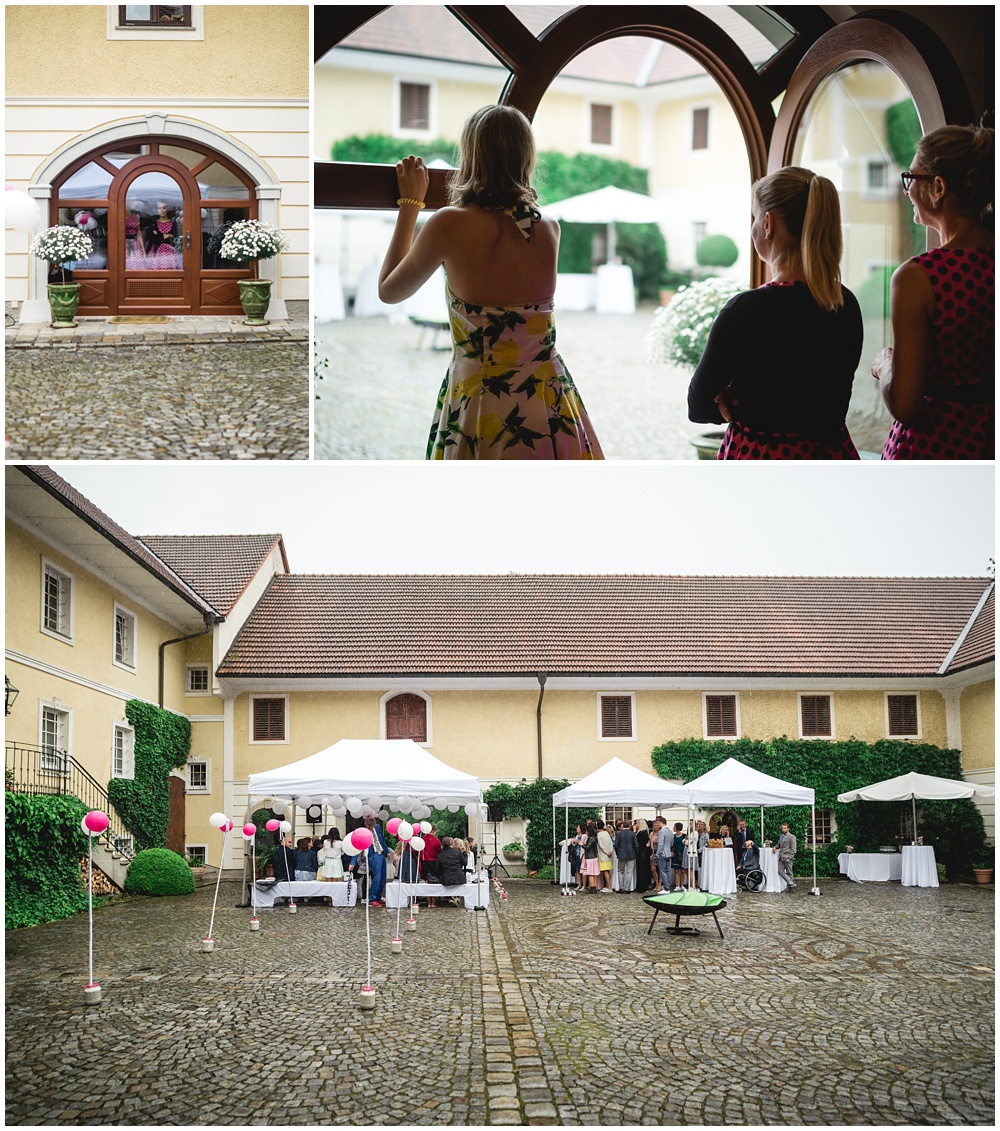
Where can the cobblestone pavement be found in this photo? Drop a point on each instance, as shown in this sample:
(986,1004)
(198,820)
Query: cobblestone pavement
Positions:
(381,380)
(873,1004)
(188,389)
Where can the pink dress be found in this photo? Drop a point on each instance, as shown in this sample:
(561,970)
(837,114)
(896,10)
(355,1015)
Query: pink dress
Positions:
(959,420)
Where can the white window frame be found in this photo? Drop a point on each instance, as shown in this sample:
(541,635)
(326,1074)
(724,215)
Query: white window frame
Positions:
(188,669)
(690,131)
(600,721)
(70,581)
(165,33)
(66,714)
(891,181)
(408,691)
(202,850)
(398,130)
(207,763)
(591,146)
(133,620)
(833,718)
(704,717)
(267,741)
(127,731)
(920,718)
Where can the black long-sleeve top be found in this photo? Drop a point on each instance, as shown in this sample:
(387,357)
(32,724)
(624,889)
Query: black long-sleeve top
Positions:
(788,363)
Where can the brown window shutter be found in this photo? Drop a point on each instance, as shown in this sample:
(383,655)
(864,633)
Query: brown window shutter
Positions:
(720,713)
(902,715)
(616,716)
(268,720)
(414,106)
(699,128)
(406,717)
(816,715)
(600,125)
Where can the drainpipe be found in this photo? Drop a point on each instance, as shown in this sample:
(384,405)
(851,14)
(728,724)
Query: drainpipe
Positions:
(210,623)
(542,677)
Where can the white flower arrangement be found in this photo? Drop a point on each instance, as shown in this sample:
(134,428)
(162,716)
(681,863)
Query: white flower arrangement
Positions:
(679,332)
(249,240)
(61,244)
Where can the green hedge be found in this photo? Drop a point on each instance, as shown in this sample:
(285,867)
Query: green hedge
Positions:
(43,844)
(955,828)
(532,802)
(162,744)
(158,871)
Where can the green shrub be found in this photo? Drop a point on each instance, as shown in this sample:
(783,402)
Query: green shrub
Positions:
(716,251)
(873,294)
(43,844)
(532,802)
(158,871)
(644,249)
(380,149)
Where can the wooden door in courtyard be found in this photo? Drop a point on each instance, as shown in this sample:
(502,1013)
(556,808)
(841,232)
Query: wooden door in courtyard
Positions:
(406,717)
(175,820)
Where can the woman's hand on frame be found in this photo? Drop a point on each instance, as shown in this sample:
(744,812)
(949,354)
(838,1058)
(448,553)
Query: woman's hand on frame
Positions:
(412,178)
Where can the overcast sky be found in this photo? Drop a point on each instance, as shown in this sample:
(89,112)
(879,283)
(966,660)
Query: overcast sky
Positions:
(890,519)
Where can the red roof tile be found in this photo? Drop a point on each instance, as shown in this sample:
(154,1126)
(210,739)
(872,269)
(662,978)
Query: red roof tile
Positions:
(521,624)
(218,566)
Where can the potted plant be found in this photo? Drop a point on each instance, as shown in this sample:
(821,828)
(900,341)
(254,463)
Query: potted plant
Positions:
(60,245)
(982,866)
(679,333)
(249,241)
(514,850)
(197,866)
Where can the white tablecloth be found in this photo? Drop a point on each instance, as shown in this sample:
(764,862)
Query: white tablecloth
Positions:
(871,866)
(307,889)
(615,289)
(565,872)
(328,304)
(475,895)
(769,866)
(575,292)
(718,871)
(919,866)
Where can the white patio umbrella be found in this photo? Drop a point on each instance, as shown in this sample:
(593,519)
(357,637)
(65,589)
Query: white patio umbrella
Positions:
(609,205)
(908,787)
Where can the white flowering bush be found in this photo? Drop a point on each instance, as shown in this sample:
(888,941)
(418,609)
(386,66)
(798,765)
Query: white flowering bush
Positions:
(247,240)
(679,332)
(62,244)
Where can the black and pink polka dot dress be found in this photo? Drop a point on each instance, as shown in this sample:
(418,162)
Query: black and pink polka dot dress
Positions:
(959,420)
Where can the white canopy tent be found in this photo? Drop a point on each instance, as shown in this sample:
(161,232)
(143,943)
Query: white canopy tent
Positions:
(609,205)
(908,787)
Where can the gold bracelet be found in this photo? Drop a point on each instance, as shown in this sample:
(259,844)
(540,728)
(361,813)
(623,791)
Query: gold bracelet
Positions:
(410,200)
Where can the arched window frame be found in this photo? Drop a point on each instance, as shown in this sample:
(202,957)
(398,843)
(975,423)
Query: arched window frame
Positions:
(428,704)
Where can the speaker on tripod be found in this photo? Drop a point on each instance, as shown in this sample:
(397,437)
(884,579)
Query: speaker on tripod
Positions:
(495,814)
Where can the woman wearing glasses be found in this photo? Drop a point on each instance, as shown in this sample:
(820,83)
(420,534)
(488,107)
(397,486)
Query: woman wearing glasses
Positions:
(780,360)
(937,380)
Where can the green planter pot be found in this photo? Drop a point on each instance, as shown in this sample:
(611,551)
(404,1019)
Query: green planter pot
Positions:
(255,297)
(707,445)
(64,298)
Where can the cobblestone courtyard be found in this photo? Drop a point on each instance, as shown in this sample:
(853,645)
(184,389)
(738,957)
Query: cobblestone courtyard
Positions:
(873,1004)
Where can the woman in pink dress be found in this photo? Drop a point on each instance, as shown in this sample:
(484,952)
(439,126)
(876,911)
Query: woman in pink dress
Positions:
(161,250)
(937,380)
(135,250)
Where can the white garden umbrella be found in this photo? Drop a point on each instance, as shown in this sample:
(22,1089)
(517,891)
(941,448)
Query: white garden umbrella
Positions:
(609,205)
(908,787)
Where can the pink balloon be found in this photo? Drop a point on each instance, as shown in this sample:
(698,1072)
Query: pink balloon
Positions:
(227,827)
(249,830)
(362,839)
(96,821)
(273,825)
(393,824)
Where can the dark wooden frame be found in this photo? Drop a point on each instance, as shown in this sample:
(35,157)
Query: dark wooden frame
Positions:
(124,23)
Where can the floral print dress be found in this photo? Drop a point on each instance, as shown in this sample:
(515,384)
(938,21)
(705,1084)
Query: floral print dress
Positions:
(507,393)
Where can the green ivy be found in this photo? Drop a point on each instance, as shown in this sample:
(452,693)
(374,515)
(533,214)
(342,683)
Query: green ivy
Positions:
(162,744)
(955,828)
(532,802)
(381,149)
(43,845)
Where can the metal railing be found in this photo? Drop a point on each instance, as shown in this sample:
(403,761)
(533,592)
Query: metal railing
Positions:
(45,770)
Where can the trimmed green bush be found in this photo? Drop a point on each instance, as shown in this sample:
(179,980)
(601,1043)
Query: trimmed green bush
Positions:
(43,844)
(158,871)
(716,251)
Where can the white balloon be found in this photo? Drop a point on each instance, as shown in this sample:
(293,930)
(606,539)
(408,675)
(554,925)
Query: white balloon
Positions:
(439,802)
(278,806)
(383,814)
(22,212)
(349,845)
(417,843)
(336,801)
(404,830)
(367,811)
(353,803)
(375,801)
(217,820)
(484,811)
(425,826)
(402,801)
(471,809)
(305,802)
(286,826)
(340,813)
(453,807)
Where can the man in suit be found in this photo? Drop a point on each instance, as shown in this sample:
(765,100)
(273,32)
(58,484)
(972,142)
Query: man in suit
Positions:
(787,847)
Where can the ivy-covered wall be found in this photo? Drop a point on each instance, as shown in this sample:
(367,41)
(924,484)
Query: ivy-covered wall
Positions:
(43,843)
(532,802)
(955,828)
(162,744)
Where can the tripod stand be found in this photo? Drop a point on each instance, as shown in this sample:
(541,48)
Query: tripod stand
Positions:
(496,862)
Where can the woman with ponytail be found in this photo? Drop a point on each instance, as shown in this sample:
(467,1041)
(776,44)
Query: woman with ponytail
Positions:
(937,379)
(780,360)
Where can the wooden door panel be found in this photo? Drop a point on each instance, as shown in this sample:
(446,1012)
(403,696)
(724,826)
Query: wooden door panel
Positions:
(175,820)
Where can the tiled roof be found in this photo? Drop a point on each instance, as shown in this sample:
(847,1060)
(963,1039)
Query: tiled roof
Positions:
(353,625)
(980,644)
(218,566)
(432,32)
(79,504)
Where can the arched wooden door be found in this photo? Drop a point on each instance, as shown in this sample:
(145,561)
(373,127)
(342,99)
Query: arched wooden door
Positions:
(156,213)
(406,717)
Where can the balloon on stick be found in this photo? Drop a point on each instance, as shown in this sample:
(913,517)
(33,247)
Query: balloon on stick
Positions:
(225,828)
(93,824)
